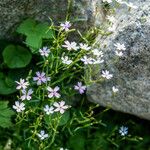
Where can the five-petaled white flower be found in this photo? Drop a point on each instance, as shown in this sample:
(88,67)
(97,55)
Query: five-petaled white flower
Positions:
(66,60)
(41,78)
(120,46)
(119,53)
(114,89)
(108,1)
(44,51)
(49,109)
(19,106)
(81,88)
(71,46)
(42,135)
(106,74)
(26,94)
(87,60)
(65,26)
(112,28)
(22,84)
(98,60)
(97,52)
(85,46)
(53,92)
(111,19)
(60,107)
(123,130)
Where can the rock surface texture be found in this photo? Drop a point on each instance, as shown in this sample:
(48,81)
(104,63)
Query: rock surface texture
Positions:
(12,12)
(131,74)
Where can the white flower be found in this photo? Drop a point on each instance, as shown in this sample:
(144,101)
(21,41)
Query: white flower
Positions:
(120,46)
(65,26)
(44,51)
(42,135)
(66,60)
(120,1)
(114,89)
(98,60)
(131,5)
(53,92)
(111,19)
(60,106)
(85,46)
(22,84)
(108,1)
(49,110)
(98,53)
(70,46)
(106,74)
(119,53)
(123,131)
(112,28)
(19,107)
(26,94)
(86,60)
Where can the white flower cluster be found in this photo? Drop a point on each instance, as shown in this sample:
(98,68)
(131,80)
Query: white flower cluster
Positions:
(59,107)
(119,49)
(22,85)
(41,78)
(113,23)
(86,59)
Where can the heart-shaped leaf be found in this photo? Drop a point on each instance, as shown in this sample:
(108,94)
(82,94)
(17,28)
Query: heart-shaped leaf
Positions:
(16,56)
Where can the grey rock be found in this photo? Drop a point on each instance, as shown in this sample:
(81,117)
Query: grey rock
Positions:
(13,12)
(132,71)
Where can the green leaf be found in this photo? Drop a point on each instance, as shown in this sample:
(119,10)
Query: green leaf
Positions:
(7,85)
(77,142)
(34,33)
(43,30)
(64,119)
(5,115)
(26,27)
(34,41)
(16,56)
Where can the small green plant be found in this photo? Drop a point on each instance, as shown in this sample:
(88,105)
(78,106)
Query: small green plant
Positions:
(5,115)
(35,32)
(13,59)
(48,93)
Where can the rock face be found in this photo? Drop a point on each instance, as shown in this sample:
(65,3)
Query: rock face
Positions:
(132,71)
(12,12)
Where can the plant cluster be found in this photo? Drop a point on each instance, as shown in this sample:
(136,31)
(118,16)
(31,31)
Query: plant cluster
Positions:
(47,73)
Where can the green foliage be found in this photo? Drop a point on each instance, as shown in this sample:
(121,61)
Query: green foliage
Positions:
(5,115)
(65,118)
(77,142)
(16,56)
(7,85)
(34,33)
